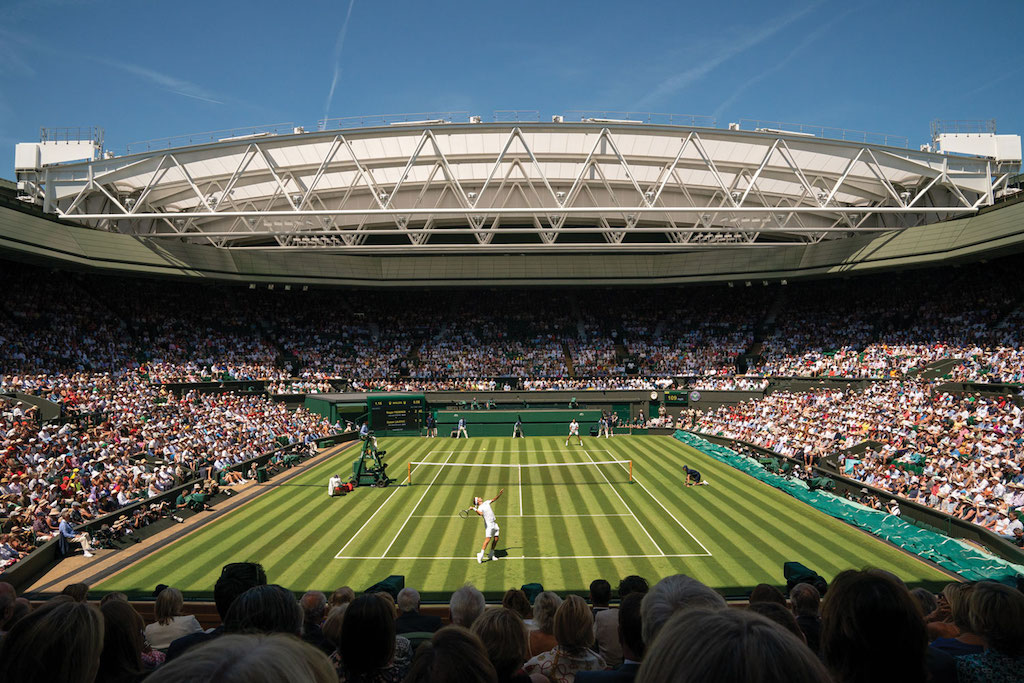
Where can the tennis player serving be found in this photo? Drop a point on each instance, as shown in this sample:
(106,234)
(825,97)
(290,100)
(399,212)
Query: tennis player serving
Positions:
(483,508)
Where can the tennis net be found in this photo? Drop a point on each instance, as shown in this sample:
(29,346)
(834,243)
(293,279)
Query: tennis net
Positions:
(499,474)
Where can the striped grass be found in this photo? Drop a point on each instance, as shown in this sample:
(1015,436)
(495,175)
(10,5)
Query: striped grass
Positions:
(561,527)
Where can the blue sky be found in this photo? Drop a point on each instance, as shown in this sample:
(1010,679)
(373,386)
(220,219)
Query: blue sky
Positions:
(144,69)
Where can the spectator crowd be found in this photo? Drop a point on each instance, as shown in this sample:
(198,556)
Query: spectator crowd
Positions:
(676,630)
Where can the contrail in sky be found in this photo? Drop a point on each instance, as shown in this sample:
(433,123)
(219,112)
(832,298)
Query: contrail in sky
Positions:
(337,57)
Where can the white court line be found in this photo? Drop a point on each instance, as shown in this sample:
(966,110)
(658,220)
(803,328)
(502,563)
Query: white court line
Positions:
(477,452)
(582,514)
(681,525)
(520,490)
(627,505)
(425,492)
(534,557)
(379,508)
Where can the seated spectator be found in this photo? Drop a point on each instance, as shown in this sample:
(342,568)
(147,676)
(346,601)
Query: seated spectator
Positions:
(515,599)
(728,646)
(675,594)
(806,604)
(966,642)
(78,592)
(574,633)
(465,605)
(170,622)
(251,658)
(332,625)
(409,618)
(867,612)
(60,641)
(314,609)
(925,600)
(123,643)
(264,609)
(631,641)
(67,538)
(507,641)
(996,613)
(341,596)
(235,578)
(773,611)
(370,650)
(764,592)
(453,654)
(542,637)
(8,600)
(939,624)
(606,623)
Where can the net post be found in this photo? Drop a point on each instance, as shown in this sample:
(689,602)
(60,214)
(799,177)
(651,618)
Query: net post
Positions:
(630,471)
(408,476)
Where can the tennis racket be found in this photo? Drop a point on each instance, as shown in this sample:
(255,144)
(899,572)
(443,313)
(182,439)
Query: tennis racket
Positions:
(467,513)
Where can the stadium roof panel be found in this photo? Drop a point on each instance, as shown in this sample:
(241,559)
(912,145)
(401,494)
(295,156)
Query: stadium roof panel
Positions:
(498,186)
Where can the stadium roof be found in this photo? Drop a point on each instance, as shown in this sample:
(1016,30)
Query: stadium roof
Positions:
(513,187)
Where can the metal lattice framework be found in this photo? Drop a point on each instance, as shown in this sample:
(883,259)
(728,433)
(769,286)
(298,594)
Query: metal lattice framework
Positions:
(519,187)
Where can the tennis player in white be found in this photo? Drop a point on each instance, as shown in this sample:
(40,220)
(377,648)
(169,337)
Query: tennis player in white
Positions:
(574,430)
(483,508)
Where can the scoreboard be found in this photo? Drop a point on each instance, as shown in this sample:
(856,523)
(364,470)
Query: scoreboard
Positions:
(396,412)
(679,398)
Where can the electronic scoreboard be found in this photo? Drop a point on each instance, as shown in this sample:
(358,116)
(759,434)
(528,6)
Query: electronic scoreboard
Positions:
(679,398)
(396,413)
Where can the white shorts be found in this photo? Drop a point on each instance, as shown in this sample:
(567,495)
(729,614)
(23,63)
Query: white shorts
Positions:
(491,530)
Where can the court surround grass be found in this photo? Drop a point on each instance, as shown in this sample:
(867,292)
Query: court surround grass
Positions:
(561,526)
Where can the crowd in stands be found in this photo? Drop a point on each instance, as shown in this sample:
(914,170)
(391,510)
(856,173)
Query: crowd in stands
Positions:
(105,357)
(138,442)
(866,625)
(957,453)
(728,384)
(880,327)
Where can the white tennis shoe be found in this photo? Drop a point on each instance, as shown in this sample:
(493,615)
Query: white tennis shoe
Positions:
(480,557)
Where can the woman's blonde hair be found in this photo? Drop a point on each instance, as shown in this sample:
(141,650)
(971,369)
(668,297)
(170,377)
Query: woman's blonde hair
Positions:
(574,624)
(168,605)
(996,614)
(958,596)
(250,658)
(506,639)
(332,624)
(731,646)
(544,607)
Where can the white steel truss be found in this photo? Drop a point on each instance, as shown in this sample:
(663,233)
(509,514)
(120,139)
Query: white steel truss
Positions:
(538,187)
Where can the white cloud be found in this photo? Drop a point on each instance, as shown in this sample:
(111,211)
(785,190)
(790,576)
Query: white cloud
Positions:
(679,81)
(777,66)
(173,84)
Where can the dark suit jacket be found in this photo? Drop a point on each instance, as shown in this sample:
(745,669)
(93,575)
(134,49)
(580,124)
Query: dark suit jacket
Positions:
(414,622)
(626,673)
(180,645)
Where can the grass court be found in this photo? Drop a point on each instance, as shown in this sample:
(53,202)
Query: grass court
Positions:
(569,514)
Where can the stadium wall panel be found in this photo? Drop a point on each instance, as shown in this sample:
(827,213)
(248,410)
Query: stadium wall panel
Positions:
(26,236)
(501,422)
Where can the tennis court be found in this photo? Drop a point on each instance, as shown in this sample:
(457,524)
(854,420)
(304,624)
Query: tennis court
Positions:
(568,515)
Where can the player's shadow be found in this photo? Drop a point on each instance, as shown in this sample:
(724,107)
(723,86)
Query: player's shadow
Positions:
(503,552)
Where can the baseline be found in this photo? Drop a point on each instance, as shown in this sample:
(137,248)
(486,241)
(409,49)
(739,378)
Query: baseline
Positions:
(533,557)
